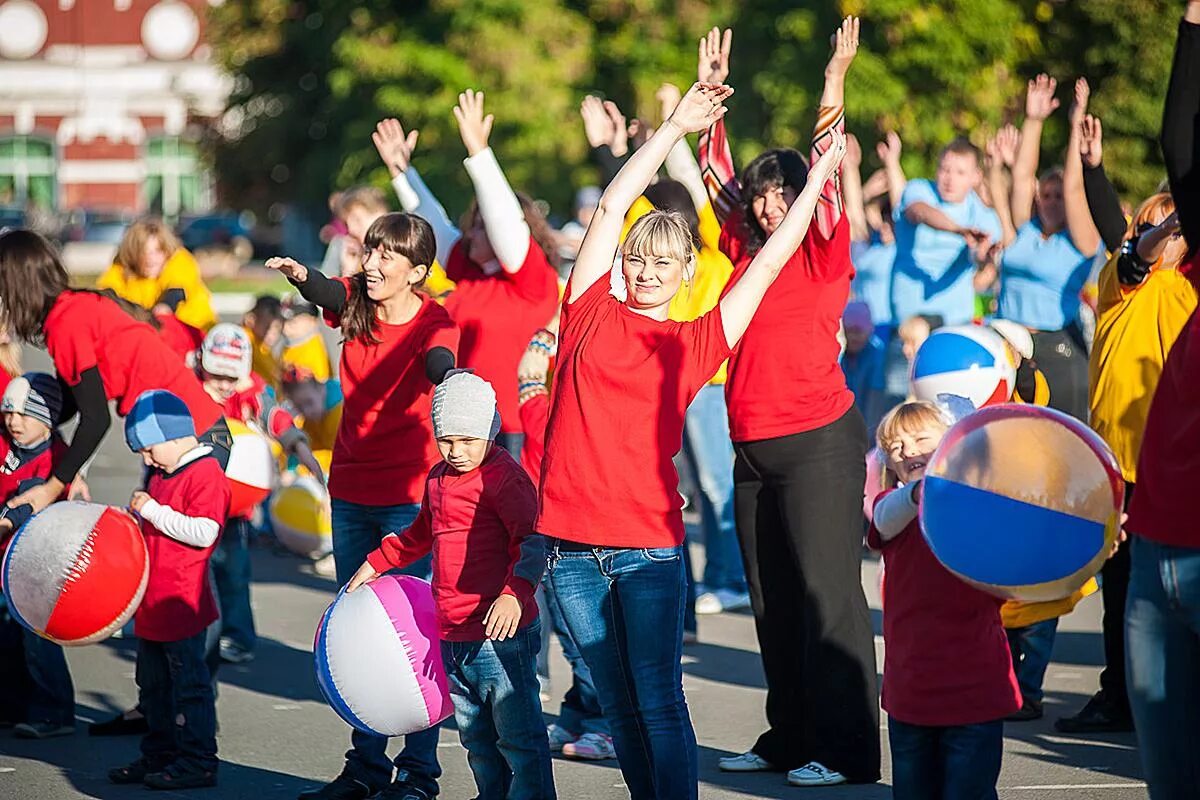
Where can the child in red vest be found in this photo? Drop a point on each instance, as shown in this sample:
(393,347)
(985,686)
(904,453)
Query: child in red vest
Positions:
(477,518)
(182,512)
(38,694)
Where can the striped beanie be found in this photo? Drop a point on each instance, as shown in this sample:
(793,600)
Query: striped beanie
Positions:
(37,395)
(157,416)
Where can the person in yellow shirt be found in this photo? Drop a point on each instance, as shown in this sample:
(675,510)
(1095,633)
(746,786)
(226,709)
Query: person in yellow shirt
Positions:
(264,323)
(153,269)
(318,405)
(303,346)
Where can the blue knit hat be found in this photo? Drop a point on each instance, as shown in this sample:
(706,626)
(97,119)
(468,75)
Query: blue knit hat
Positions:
(157,416)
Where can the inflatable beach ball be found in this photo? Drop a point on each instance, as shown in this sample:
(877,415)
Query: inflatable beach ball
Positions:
(1023,502)
(251,468)
(76,572)
(300,517)
(379,658)
(966,361)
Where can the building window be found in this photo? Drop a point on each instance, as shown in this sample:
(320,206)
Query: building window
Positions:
(27,171)
(175,180)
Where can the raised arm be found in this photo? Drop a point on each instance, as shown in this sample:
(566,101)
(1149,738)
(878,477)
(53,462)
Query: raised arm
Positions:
(1040,103)
(700,107)
(716,162)
(742,300)
(831,118)
(856,212)
(681,163)
(1103,202)
(1080,227)
(502,216)
(1002,152)
(889,153)
(396,149)
(1181,116)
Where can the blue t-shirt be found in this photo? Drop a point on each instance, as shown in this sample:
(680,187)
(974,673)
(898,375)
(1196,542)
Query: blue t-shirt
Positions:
(864,370)
(873,279)
(1041,278)
(934,270)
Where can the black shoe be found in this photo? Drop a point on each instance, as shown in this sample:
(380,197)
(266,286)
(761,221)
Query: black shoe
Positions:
(135,772)
(403,790)
(1100,715)
(119,726)
(176,776)
(1029,711)
(343,787)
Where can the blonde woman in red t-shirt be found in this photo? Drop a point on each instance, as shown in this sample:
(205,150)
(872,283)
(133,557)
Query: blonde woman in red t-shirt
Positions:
(502,260)
(609,501)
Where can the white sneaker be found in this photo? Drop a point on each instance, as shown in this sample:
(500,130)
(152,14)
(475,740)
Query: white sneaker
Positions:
(746,762)
(815,774)
(720,600)
(590,747)
(558,737)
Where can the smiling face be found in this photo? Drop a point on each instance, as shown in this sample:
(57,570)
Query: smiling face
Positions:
(909,452)
(389,273)
(656,258)
(772,205)
(464,453)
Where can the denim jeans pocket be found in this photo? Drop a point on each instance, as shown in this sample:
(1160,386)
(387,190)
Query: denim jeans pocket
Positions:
(662,554)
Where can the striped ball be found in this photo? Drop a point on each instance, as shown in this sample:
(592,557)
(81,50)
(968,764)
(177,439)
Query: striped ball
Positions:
(1023,502)
(300,518)
(76,572)
(379,659)
(966,361)
(251,470)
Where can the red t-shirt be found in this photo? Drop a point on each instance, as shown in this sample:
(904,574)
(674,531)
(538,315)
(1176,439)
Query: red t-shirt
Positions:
(621,388)
(85,330)
(497,315)
(784,376)
(534,413)
(385,446)
(946,656)
(1169,460)
(179,336)
(479,526)
(179,600)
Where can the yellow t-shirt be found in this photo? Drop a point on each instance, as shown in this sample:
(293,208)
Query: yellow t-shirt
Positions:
(713,270)
(263,361)
(180,272)
(310,354)
(1135,329)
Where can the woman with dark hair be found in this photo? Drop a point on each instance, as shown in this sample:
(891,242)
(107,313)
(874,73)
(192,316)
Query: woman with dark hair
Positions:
(502,261)
(397,343)
(799,446)
(99,349)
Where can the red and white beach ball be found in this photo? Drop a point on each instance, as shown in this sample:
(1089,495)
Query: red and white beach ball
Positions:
(76,572)
(251,470)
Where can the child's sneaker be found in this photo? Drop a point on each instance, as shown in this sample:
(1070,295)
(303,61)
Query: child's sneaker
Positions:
(746,762)
(590,747)
(721,600)
(558,736)
(815,774)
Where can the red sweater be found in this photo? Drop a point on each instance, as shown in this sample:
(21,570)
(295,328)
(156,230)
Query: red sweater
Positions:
(784,376)
(479,526)
(1169,461)
(946,656)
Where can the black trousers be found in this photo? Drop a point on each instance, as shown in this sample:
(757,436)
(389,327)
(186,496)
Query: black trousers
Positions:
(1114,586)
(1061,358)
(798,501)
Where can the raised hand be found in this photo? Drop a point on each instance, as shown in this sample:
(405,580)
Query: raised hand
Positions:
(712,65)
(1079,107)
(473,125)
(825,166)
(889,149)
(619,135)
(1091,141)
(394,145)
(1039,97)
(845,46)
(702,106)
(668,96)
(289,267)
(1007,141)
(596,124)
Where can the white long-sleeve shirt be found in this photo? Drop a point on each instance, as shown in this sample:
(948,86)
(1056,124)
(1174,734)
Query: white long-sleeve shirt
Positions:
(194,531)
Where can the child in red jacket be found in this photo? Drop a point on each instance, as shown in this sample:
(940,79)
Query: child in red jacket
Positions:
(477,518)
(182,512)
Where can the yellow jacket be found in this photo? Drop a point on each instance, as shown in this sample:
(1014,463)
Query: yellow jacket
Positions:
(180,272)
(310,354)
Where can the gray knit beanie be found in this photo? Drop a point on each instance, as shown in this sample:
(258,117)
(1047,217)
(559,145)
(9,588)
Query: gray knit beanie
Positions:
(464,404)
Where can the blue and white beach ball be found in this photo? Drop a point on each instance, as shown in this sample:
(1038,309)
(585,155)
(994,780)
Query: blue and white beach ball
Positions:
(967,361)
(1023,502)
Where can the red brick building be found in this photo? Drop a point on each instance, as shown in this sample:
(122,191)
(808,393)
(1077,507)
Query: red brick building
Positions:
(102,103)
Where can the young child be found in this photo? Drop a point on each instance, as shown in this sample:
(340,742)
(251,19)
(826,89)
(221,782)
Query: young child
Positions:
(182,512)
(264,323)
(863,361)
(477,518)
(302,343)
(318,405)
(948,679)
(39,696)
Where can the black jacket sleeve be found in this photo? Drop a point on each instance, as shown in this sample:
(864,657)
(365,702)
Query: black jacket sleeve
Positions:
(94,422)
(321,291)
(1180,142)
(438,362)
(1105,206)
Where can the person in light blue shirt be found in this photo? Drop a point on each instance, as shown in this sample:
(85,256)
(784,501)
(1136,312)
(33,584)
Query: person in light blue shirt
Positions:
(873,276)
(863,362)
(1042,273)
(943,230)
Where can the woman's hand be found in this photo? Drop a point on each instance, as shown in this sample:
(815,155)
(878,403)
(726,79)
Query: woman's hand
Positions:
(702,106)
(1005,145)
(473,125)
(889,149)
(290,268)
(503,618)
(39,496)
(712,65)
(619,129)
(394,145)
(825,166)
(1039,98)
(1091,140)
(1079,107)
(845,47)
(366,573)
(596,124)
(79,490)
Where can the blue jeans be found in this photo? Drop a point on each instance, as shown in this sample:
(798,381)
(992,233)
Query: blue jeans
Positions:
(1162,657)
(494,687)
(707,446)
(624,608)
(580,710)
(231,573)
(357,530)
(955,763)
(1031,648)
(172,680)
